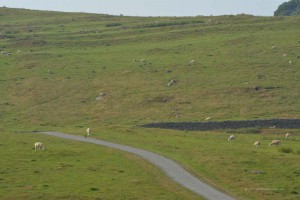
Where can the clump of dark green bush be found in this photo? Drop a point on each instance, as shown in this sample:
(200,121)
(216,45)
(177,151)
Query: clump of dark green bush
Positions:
(285,150)
(113,24)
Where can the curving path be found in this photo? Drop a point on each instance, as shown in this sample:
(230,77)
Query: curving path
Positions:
(172,169)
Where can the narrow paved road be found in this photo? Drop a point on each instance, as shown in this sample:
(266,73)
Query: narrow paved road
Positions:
(172,169)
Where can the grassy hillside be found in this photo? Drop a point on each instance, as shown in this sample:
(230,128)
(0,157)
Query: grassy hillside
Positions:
(61,62)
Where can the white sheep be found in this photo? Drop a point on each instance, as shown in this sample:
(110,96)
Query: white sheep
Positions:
(207,118)
(172,82)
(232,137)
(88,131)
(287,135)
(284,55)
(192,62)
(290,62)
(39,146)
(275,142)
(257,143)
(5,53)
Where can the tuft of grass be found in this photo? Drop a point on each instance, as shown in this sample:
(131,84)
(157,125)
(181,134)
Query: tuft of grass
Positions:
(245,131)
(285,150)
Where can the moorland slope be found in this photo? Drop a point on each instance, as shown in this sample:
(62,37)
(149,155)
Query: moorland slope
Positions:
(66,71)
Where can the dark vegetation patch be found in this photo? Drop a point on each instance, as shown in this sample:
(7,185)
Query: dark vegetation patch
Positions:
(245,131)
(169,23)
(203,126)
(113,24)
(285,150)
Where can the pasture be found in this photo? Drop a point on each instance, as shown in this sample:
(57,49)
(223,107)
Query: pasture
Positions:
(74,170)
(61,62)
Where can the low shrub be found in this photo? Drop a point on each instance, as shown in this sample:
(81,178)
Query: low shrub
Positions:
(285,150)
(113,24)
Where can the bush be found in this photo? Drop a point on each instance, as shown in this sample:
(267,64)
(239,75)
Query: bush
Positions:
(170,23)
(286,150)
(113,24)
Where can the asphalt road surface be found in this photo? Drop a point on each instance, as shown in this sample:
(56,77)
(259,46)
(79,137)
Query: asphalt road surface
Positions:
(169,167)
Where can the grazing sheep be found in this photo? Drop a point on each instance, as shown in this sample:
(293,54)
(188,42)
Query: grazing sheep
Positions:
(88,131)
(232,137)
(257,143)
(275,142)
(290,62)
(287,135)
(192,62)
(39,146)
(273,47)
(101,96)
(5,53)
(172,82)
(207,118)
(284,55)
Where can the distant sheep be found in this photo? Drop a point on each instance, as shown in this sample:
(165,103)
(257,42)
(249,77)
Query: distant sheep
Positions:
(101,96)
(284,55)
(39,146)
(275,142)
(5,53)
(232,137)
(192,62)
(88,131)
(172,82)
(287,135)
(257,143)
(207,118)
(290,62)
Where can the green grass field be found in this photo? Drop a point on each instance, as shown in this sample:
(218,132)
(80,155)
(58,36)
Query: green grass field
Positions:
(60,62)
